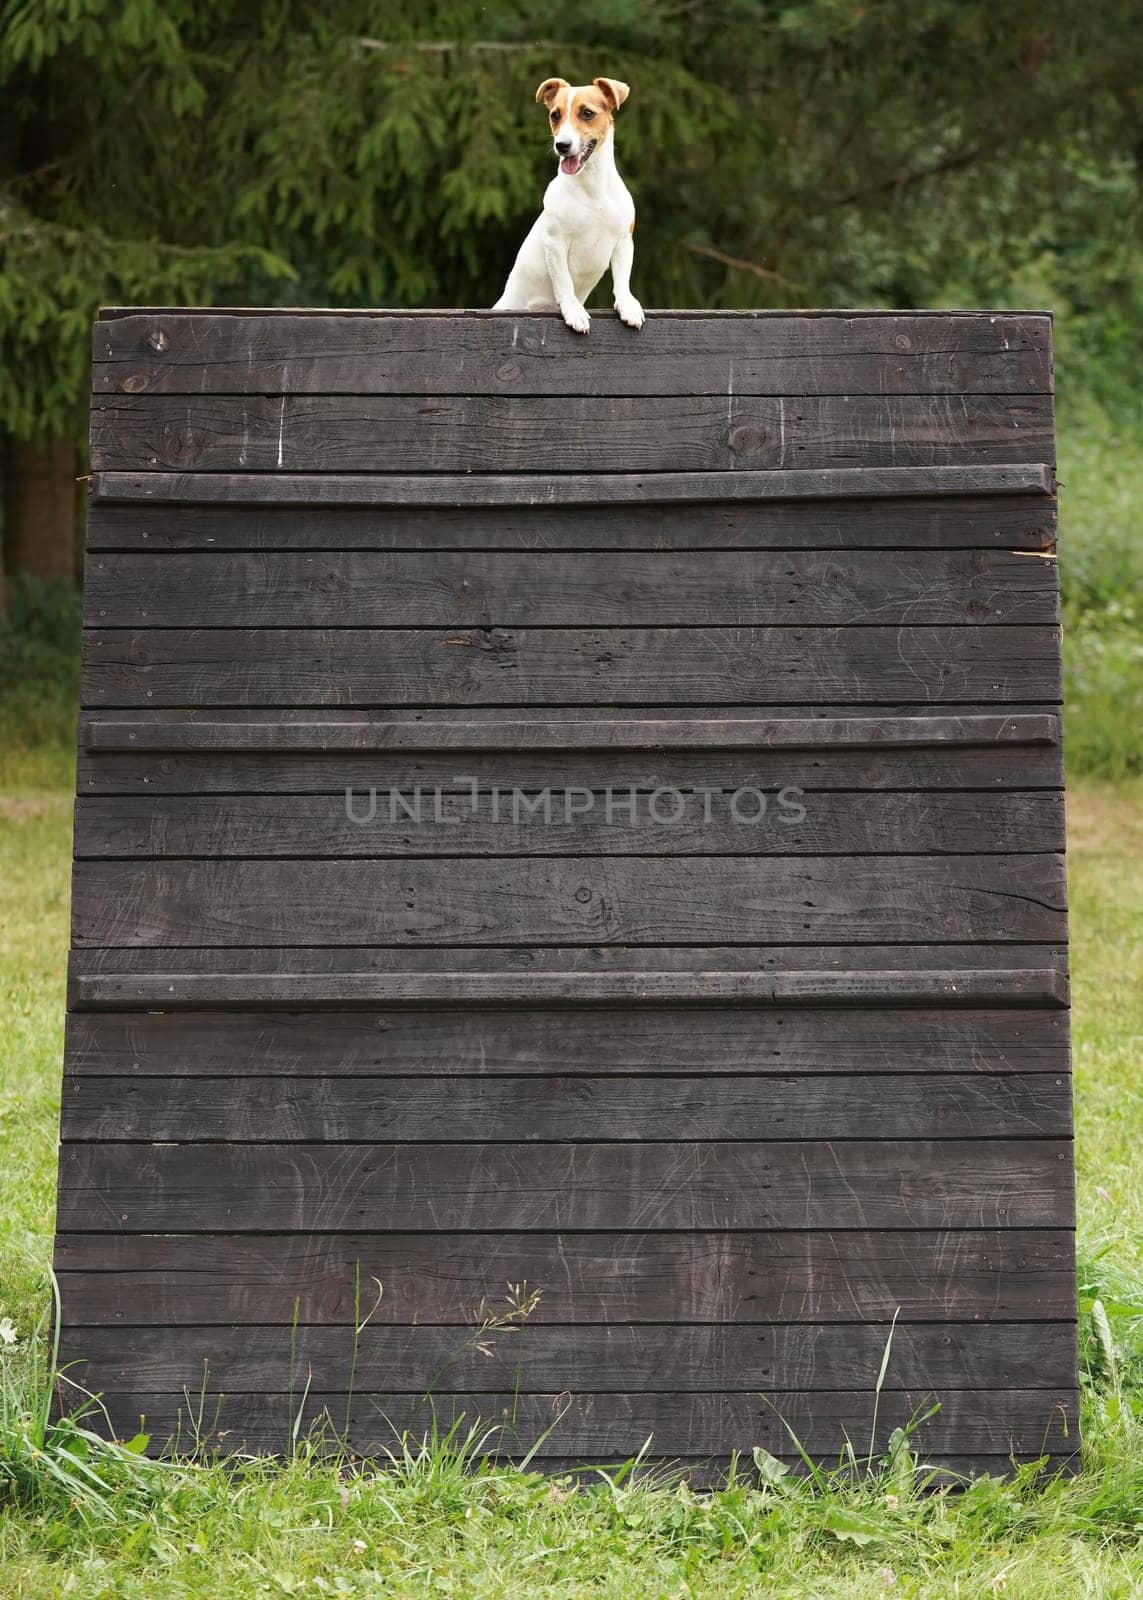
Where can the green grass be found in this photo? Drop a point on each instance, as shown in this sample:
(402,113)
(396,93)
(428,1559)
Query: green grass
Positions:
(79,1519)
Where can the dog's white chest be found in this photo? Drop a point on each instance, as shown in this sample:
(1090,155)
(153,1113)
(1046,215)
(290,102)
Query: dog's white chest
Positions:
(592,225)
(589,254)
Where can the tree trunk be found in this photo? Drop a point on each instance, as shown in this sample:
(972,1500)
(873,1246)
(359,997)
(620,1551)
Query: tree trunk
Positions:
(40,499)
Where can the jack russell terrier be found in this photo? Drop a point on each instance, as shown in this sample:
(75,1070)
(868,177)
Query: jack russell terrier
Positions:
(588,220)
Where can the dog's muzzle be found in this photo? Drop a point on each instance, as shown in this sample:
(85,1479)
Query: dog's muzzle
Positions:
(570,163)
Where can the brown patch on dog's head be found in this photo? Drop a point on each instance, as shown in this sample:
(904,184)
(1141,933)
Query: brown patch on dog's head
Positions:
(580,117)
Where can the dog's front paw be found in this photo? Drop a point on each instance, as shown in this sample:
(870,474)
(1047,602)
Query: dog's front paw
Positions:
(575,316)
(630,311)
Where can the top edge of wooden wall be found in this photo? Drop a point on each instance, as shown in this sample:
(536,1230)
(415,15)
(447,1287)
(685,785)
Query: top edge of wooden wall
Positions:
(171,351)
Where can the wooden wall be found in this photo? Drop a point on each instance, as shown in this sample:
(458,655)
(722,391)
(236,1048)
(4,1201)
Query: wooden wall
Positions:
(731,1094)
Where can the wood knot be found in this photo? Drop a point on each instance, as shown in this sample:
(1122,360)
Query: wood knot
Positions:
(507,370)
(158,340)
(745,440)
(902,341)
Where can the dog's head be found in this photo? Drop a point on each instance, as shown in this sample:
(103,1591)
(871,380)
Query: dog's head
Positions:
(580,118)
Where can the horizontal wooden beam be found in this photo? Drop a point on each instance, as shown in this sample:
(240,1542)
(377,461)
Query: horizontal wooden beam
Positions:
(546,667)
(561,435)
(612,1358)
(565,822)
(433,589)
(846,524)
(391,352)
(584,899)
(972,1427)
(279,1280)
(484,313)
(911,955)
(436,1039)
(581,1106)
(589,733)
(851,1183)
(172,989)
(523,489)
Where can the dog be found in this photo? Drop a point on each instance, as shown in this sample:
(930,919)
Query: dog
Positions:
(588,220)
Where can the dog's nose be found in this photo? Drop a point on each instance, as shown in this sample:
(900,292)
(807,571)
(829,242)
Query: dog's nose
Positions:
(563,146)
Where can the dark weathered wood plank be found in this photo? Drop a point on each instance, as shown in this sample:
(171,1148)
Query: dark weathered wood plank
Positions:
(293,987)
(616,1358)
(751,1039)
(388,353)
(706,1474)
(950,522)
(955,1183)
(1034,478)
(274,1280)
(443,589)
(951,720)
(655,900)
(203,772)
(336,667)
(969,1422)
(439,313)
(372,823)
(977,964)
(588,733)
(564,434)
(579,1107)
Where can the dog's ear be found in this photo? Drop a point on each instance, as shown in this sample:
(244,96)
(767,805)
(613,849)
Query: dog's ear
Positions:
(549,89)
(612,91)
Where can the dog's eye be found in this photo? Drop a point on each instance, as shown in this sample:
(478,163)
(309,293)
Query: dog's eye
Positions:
(587,113)
(555,118)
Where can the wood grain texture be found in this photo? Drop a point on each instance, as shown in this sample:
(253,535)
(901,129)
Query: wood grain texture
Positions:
(446,589)
(955,720)
(387,353)
(1043,986)
(336,667)
(1034,478)
(956,1183)
(612,1359)
(204,772)
(665,1038)
(180,1280)
(375,823)
(572,900)
(562,433)
(575,1107)
(991,1422)
(596,733)
(951,522)
(555,962)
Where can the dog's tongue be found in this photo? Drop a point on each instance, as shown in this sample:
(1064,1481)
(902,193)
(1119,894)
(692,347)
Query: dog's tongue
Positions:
(570,165)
